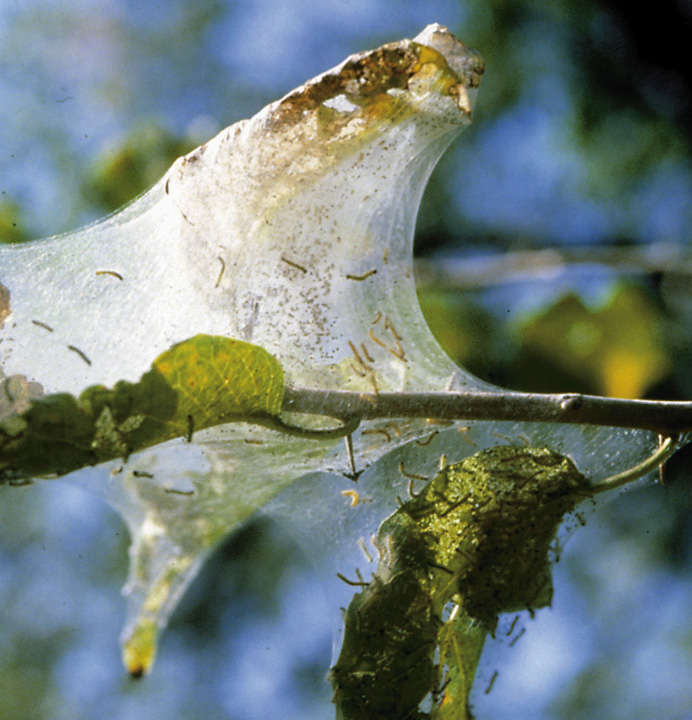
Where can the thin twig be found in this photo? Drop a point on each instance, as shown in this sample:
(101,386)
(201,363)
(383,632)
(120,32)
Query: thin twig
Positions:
(664,417)
(492,270)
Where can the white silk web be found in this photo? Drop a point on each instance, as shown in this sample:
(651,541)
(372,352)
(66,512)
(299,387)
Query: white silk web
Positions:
(293,231)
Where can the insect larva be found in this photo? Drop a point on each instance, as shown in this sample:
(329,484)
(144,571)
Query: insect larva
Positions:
(389,326)
(378,431)
(173,491)
(511,627)
(294,264)
(358,371)
(394,427)
(42,325)
(364,276)
(352,495)
(398,352)
(378,315)
(110,272)
(443,462)
(375,339)
(221,272)
(361,543)
(438,421)
(358,357)
(376,545)
(80,353)
(166,189)
(355,583)
(464,430)
(491,683)
(428,440)
(366,353)
(253,441)
(142,474)
(190,428)
(413,476)
(516,637)
(374,383)
(381,552)
(411,491)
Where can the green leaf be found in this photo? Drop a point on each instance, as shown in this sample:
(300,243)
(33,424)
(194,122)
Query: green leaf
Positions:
(461,643)
(198,383)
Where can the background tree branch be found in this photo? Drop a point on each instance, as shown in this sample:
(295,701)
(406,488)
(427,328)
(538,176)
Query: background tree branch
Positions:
(479,271)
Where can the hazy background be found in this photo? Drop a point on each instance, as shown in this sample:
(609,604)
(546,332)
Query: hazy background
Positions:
(581,140)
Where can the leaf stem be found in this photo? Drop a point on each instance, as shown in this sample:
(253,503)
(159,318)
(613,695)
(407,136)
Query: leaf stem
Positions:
(665,450)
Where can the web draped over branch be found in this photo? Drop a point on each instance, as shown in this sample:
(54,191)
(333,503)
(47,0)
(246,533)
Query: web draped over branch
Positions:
(291,231)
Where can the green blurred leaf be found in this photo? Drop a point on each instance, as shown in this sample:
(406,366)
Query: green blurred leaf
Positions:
(12,228)
(616,349)
(466,332)
(142,158)
(203,381)
(461,643)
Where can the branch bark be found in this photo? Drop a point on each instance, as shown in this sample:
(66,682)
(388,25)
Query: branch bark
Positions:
(663,417)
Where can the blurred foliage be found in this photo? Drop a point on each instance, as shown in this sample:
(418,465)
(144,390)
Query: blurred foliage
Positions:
(11,222)
(140,160)
(469,334)
(615,349)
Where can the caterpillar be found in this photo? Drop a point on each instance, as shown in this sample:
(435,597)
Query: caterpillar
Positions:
(478,535)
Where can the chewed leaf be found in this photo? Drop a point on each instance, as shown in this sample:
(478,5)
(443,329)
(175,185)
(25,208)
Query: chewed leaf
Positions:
(476,535)
(461,642)
(200,382)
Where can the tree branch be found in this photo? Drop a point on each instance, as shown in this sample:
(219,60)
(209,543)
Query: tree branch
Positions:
(490,270)
(663,417)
